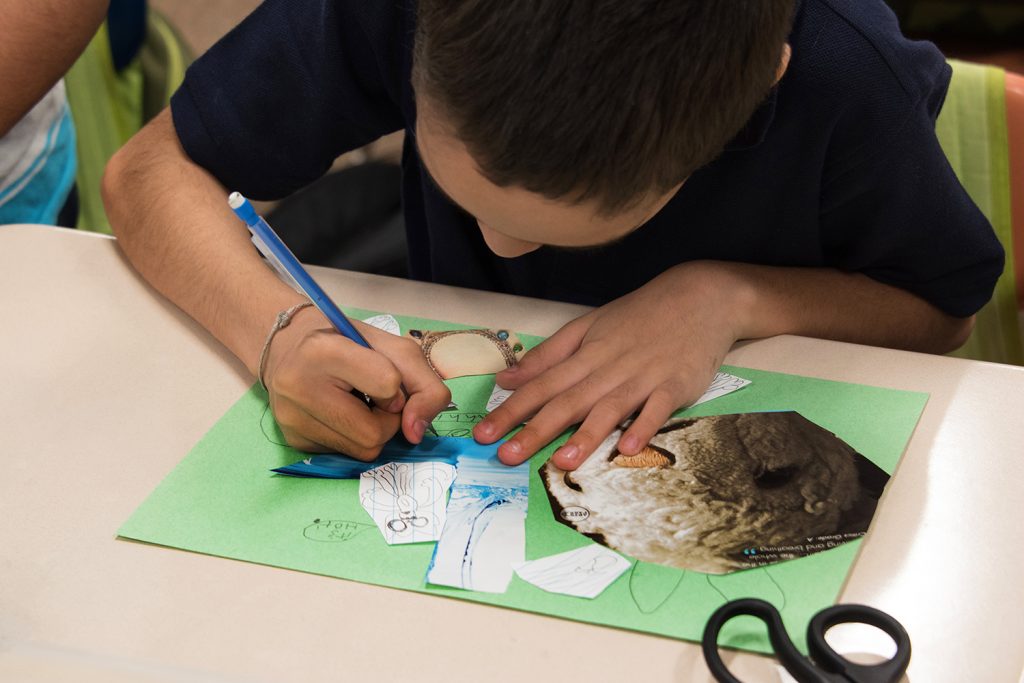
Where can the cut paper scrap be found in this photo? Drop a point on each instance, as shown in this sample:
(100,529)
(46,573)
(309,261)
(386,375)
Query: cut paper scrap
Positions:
(485,533)
(722,384)
(337,466)
(385,322)
(407,500)
(583,573)
(498,396)
(464,353)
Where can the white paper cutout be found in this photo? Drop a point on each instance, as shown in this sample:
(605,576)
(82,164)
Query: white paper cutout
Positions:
(584,572)
(498,396)
(386,322)
(722,384)
(485,534)
(407,500)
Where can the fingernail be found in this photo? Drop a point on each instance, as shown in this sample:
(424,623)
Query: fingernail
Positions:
(395,405)
(486,430)
(511,448)
(569,453)
(629,445)
(418,428)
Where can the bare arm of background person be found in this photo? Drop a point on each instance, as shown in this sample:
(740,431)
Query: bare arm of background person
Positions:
(41,40)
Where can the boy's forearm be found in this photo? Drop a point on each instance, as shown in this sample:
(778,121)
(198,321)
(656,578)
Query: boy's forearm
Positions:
(829,304)
(42,39)
(172,221)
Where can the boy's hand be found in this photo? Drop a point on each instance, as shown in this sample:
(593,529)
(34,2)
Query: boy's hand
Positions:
(653,350)
(311,369)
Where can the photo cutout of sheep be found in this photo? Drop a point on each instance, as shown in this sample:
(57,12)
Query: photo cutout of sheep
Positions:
(722,493)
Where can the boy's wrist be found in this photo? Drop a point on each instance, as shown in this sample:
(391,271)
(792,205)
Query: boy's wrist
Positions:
(733,292)
(283,319)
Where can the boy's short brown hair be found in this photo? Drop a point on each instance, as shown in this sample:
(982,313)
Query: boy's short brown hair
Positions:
(604,100)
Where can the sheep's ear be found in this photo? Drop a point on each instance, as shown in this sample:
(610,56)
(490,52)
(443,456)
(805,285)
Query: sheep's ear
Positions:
(815,507)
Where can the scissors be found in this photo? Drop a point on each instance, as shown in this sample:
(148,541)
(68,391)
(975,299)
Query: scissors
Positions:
(825,665)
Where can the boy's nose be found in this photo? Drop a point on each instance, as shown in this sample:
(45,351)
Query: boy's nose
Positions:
(503,245)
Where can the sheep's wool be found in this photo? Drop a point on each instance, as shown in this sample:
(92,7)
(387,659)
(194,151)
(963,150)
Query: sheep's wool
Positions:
(708,489)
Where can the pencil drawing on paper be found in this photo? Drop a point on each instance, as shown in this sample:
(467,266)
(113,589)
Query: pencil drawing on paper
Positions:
(722,384)
(584,572)
(723,493)
(334,530)
(407,500)
(651,586)
(456,423)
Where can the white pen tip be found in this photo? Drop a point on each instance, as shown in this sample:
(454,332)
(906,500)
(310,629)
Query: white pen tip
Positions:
(235,200)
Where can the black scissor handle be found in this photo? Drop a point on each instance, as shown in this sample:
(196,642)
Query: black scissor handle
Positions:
(832,664)
(830,660)
(797,665)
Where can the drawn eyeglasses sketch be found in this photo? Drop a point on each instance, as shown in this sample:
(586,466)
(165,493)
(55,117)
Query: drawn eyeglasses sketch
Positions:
(407,500)
(401,524)
(719,494)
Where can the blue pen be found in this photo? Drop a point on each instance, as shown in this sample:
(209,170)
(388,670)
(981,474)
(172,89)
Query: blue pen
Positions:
(284,262)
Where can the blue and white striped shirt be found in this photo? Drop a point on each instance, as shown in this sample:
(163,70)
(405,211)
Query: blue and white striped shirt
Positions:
(37,162)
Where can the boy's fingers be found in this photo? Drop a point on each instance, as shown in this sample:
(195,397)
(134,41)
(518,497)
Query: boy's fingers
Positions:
(603,419)
(662,402)
(305,431)
(550,387)
(545,355)
(422,408)
(539,432)
(367,370)
(428,395)
(599,418)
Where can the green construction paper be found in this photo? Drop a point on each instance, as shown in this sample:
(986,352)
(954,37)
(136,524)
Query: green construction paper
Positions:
(223,500)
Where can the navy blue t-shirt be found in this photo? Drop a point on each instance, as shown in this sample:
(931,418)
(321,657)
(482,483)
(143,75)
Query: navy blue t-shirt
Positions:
(839,167)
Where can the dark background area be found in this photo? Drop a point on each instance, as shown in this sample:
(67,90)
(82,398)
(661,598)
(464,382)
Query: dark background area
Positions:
(989,31)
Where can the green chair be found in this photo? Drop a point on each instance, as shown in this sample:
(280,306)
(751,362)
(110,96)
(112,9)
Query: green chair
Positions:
(972,129)
(109,106)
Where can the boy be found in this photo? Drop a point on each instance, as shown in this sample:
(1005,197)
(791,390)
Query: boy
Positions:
(703,171)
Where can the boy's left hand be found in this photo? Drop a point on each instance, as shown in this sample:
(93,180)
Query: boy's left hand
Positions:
(653,351)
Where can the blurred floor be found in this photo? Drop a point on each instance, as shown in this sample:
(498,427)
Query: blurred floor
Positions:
(202,22)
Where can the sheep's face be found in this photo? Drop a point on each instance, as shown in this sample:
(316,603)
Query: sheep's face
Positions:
(709,490)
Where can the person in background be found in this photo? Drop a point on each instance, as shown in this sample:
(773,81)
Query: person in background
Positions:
(42,39)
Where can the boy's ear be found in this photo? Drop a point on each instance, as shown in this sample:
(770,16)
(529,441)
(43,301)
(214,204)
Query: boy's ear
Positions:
(787,52)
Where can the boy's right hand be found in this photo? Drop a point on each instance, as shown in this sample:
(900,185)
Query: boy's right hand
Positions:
(311,369)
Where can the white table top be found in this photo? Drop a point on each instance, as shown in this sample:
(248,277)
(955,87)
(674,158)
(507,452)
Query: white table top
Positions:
(104,387)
